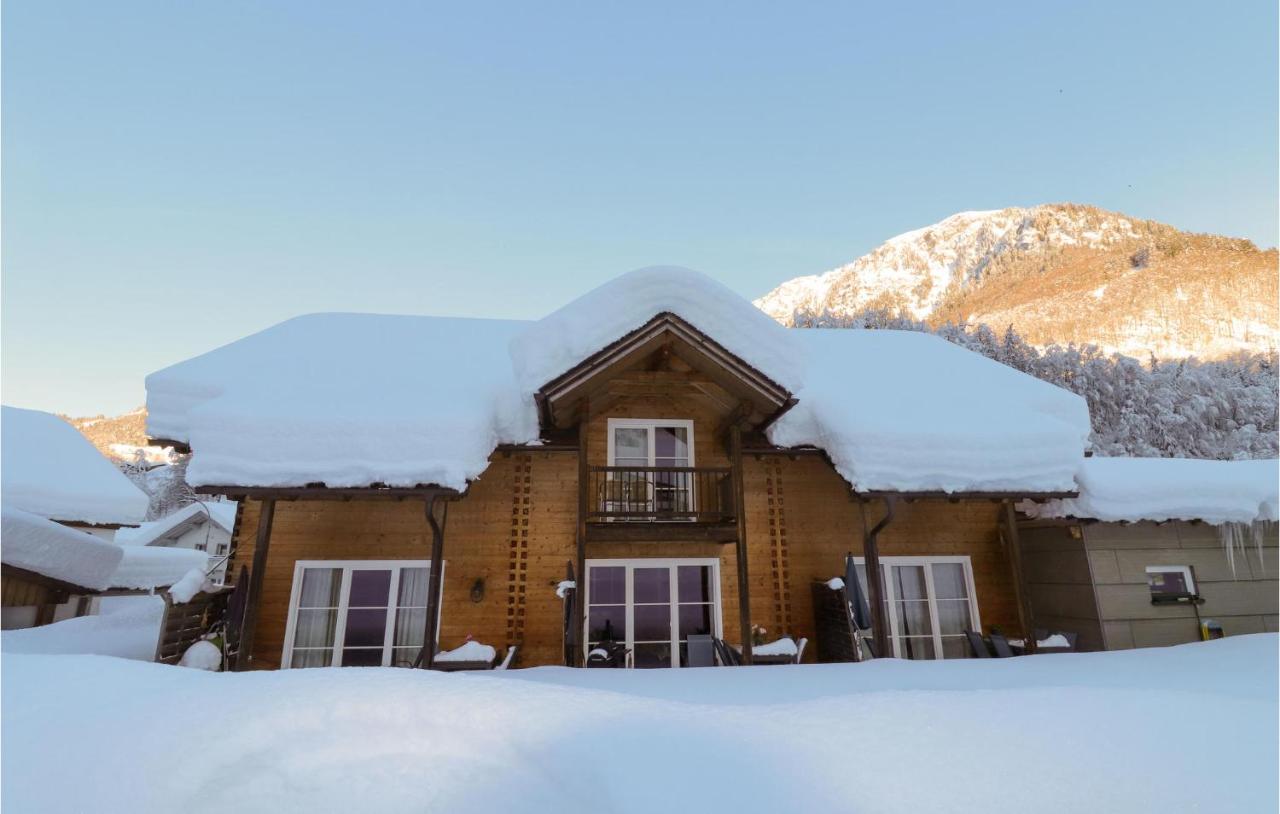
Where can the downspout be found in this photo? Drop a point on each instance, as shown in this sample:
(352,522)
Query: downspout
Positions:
(875,579)
(426,659)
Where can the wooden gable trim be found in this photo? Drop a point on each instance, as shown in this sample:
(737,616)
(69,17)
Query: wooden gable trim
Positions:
(321,492)
(557,397)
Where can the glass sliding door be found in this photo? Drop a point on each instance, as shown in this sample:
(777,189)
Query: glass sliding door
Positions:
(357,614)
(930,603)
(652,606)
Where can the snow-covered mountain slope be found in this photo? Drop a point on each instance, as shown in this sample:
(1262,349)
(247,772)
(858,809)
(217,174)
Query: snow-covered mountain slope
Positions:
(1061,273)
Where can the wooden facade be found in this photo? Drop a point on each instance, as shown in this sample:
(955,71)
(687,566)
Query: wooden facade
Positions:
(515,529)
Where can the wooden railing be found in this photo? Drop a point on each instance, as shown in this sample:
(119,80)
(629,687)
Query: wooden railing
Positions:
(694,494)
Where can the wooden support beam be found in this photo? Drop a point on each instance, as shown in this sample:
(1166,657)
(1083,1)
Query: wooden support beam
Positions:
(584,508)
(1020,593)
(244,655)
(740,513)
(428,656)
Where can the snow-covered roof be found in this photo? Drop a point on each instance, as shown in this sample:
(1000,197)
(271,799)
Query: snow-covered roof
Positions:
(36,544)
(907,411)
(355,399)
(149,567)
(50,469)
(223,513)
(1134,489)
(40,545)
(567,336)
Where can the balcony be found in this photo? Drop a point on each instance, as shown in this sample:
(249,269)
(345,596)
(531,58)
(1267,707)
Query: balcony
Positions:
(657,503)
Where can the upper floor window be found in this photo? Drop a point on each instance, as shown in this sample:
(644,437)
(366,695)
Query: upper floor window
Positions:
(646,442)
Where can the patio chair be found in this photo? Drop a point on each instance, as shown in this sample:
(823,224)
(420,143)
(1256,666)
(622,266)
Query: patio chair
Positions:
(1001,645)
(702,651)
(607,654)
(977,644)
(727,655)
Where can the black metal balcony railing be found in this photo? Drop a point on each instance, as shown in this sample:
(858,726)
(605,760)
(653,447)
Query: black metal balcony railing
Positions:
(698,494)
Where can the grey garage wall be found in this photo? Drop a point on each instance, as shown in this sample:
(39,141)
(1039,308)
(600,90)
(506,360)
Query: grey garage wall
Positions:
(1243,600)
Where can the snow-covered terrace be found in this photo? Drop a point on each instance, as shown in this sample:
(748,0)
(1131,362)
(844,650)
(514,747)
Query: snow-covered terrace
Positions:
(349,400)
(50,469)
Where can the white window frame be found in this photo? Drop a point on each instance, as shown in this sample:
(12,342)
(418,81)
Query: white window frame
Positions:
(671,563)
(1185,570)
(650,424)
(894,623)
(340,628)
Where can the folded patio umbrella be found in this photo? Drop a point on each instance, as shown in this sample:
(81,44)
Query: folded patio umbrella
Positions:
(859,611)
(570,612)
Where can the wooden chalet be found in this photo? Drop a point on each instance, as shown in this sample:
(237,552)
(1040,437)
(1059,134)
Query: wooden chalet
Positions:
(653,479)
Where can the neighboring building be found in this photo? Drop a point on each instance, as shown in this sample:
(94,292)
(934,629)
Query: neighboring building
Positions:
(1153,549)
(203,526)
(50,571)
(700,464)
(51,470)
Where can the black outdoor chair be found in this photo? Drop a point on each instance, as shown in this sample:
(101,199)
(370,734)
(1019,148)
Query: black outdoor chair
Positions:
(1001,645)
(977,644)
(728,656)
(607,654)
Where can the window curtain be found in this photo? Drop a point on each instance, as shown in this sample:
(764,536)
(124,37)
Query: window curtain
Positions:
(316,623)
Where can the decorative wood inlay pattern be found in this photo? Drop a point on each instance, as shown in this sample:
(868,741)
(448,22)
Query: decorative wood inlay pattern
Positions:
(778,548)
(518,562)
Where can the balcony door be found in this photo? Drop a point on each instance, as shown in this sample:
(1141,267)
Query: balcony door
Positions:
(646,447)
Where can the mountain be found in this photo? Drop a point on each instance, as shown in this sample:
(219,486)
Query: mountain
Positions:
(121,437)
(1061,273)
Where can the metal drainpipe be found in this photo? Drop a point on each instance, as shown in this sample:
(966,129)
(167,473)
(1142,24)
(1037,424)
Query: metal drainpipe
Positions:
(875,581)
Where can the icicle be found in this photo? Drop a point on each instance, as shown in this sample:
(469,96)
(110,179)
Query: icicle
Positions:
(1237,536)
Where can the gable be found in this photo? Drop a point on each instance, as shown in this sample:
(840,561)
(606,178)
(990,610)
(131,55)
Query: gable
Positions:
(667,344)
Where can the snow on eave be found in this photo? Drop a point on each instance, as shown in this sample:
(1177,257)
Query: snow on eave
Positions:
(1133,490)
(42,546)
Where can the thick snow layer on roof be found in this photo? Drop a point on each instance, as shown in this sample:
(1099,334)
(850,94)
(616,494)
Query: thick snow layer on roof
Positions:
(347,400)
(126,627)
(149,567)
(53,550)
(1134,489)
(352,400)
(906,411)
(1075,732)
(222,512)
(52,470)
(563,339)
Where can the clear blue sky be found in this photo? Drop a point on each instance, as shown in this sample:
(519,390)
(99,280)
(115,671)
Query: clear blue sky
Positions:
(176,175)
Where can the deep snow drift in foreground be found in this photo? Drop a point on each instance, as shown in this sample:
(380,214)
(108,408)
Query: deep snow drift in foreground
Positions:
(1189,728)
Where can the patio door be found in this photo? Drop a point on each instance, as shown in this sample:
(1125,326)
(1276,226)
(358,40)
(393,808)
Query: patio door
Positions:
(930,603)
(652,606)
(648,444)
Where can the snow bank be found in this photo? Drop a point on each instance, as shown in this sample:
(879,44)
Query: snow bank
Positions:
(53,550)
(48,468)
(222,513)
(563,339)
(127,627)
(352,399)
(1134,489)
(561,740)
(905,411)
(203,655)
(154,568)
